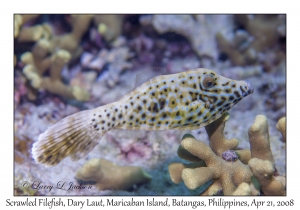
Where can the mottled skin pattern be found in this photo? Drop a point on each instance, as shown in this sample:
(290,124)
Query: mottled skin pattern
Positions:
(183,101)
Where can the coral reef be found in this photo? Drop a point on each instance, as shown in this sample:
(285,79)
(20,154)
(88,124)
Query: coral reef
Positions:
(223,165)
(109,25)
(195,28)
(108,175)
(100,55)
(34,71)
(259,32)
(281,126)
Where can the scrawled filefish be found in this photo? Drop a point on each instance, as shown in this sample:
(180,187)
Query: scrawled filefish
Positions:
(185,101)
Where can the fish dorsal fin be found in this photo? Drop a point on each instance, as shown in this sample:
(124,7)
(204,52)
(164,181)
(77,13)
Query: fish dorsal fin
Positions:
(141,77)
(147,74)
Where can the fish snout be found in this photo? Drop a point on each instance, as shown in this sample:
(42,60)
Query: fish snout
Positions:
(247,89)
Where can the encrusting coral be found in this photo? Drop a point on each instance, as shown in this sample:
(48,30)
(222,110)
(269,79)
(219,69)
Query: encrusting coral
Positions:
(110,176)
(221,162)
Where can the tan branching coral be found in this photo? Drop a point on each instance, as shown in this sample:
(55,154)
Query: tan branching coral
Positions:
(35,69)
(110,176)
(261,32)
(222,164)
(243,189)
(20,20)
(230,174)
(264,171)
(109,26)
(281,126)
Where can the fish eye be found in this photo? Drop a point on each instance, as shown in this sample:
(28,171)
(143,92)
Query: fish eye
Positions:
(208,82)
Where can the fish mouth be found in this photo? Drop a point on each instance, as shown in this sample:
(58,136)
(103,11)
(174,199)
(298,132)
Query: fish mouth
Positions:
(247,89)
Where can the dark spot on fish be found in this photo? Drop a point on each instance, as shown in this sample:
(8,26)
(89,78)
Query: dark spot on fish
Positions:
(236,93)
(95,126)
(131,103)
(143,115)
(108,124)
(139,108)
(242,89)
(190,118)
(113,118)
(178,113)
(186,103)
(181,96)
(231,98)
(165,90)
(167,122)
(164,115)
(103,121)
(108,115)
(116,110)
(144,101)
(99,115)
(162,103)
(93,119)
(153,94)
(236,100)
(164,82)
(199,113)
(102,128)
(225,84)
(195,86)
(131,117)
(120,115)
(183,82)
(126,107)
(155,108)
(175,90)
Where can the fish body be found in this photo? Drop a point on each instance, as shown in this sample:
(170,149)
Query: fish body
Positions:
(184,101)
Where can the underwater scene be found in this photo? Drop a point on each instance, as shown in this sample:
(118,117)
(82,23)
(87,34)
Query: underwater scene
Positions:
(155,104)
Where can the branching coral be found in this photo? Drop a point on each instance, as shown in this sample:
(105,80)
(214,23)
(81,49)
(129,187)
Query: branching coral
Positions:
(227,167)
(281,126)
(109,176)
(109,26)
(261,32)
(62,48)
(35,69)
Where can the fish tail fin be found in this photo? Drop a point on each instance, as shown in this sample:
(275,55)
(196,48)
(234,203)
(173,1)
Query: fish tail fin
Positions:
(74,136)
